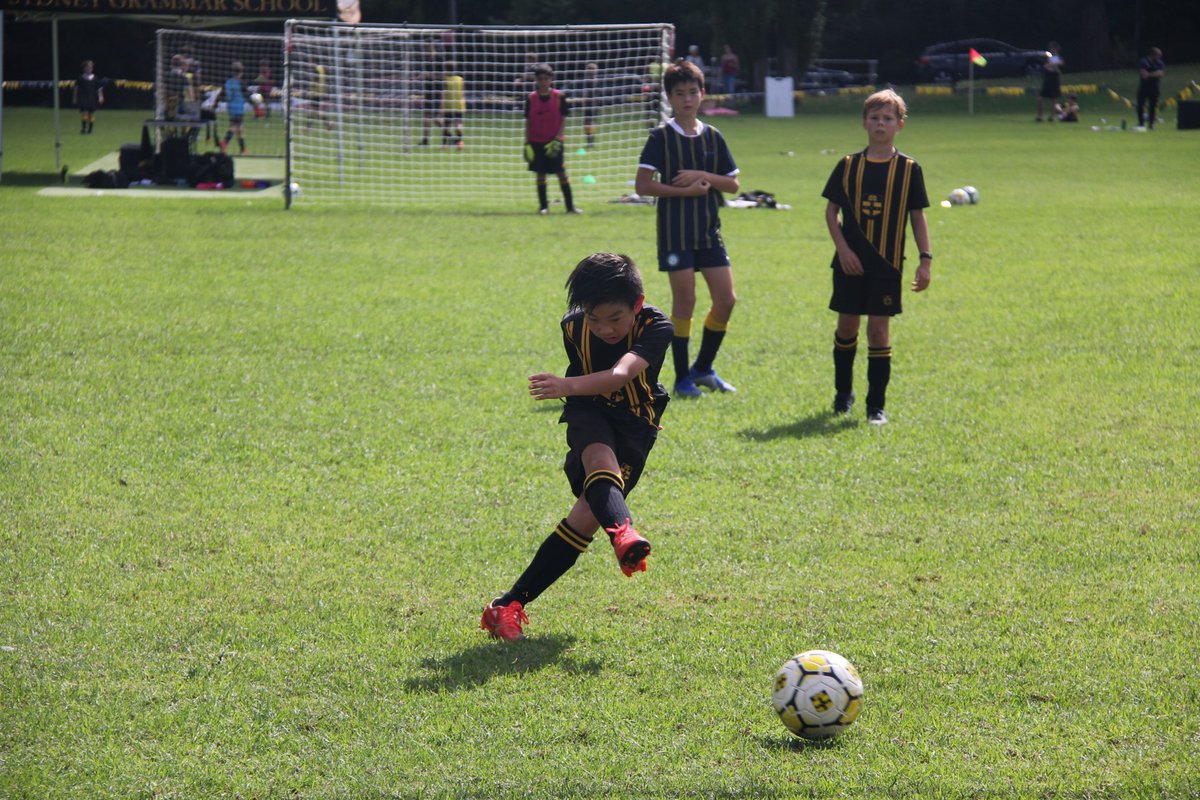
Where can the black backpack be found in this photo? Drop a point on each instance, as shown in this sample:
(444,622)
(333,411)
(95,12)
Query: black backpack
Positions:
(211,168)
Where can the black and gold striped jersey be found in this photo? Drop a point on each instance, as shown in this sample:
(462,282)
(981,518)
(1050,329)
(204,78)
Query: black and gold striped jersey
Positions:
(875,198)
(643,397)
(688,223)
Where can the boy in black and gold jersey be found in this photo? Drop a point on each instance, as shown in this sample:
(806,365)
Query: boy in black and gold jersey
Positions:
(876,192)
(613,403)
(694,167)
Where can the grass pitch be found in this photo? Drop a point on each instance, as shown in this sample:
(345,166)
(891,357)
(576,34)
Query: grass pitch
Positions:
(262,469)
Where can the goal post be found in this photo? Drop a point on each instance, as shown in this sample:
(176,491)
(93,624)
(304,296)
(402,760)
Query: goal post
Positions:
(403,114)
(208,60)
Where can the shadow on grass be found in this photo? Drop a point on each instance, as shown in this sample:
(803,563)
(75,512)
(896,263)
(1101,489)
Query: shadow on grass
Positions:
(821,423)
(477,665)
(796,744)
(34,178)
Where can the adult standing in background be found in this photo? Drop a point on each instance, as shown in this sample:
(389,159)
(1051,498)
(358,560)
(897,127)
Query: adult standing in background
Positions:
(694,56)
(1051,80)
(729,70)
(1150,72)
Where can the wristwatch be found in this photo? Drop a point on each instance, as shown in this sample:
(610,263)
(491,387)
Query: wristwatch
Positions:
(927,255)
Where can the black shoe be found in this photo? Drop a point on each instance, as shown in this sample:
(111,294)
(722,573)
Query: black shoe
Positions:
(875,416)
(843,402)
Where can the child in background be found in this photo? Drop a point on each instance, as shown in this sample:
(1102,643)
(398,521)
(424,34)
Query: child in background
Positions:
(546,112)
(235,105)
(87,96)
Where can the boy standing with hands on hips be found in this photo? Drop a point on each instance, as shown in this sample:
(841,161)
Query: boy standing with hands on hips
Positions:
(875,192)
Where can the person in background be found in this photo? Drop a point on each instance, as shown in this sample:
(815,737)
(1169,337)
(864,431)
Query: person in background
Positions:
(1052,70)
(235,105)
(88,96)
(1150,72)
(729,69)
(1068,110)
(546,111)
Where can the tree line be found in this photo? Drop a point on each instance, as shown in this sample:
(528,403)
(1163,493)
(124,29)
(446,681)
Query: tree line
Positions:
(776,37)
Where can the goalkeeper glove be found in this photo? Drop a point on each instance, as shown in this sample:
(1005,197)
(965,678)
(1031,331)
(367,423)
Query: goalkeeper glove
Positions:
(554,148)
(528,153)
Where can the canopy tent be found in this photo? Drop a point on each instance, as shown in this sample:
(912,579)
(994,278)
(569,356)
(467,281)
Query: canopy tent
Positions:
(176,13)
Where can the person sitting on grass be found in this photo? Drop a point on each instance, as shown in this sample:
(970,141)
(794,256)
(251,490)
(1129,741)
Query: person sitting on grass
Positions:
(613,404)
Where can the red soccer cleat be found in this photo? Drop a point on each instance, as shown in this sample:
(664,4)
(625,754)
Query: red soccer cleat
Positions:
(504,622)
(630,547)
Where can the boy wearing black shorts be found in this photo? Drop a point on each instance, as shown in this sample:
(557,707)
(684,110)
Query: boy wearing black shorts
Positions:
(876,192)
(546,112)
(613,404)
(694,167)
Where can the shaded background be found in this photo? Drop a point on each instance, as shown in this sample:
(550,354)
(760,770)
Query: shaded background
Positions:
(772,37)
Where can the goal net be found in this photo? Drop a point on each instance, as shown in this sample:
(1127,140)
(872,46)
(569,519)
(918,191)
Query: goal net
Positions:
(396,114)
(208,61)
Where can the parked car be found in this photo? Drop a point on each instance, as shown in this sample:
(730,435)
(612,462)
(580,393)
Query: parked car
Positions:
(823,78)
(947,62)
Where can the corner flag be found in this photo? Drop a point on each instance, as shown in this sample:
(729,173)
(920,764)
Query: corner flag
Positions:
(977,58)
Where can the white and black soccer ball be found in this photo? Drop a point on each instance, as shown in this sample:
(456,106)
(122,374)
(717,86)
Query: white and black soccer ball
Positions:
(256,99)
(972,194)
(818,694)
(959,197)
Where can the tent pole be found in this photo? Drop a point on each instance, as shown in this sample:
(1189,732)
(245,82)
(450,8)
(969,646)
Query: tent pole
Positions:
(1,95)
(57,125)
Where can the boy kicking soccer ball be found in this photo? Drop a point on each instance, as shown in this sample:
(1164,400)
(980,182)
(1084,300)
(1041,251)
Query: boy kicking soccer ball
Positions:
(876,192)
(613,403)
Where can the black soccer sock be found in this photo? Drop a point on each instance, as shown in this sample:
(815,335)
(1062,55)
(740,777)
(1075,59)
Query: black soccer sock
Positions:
(556,555)
(710,342)
(602,490)
(879,373)
(566,191)
(844,351)
(679,346)
(241,145)
(543,201)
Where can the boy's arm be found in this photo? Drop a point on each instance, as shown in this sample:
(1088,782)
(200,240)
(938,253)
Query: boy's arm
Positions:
(687,183)
(728,184)
(546,386)
(851,265)
(920,229)
(646,186)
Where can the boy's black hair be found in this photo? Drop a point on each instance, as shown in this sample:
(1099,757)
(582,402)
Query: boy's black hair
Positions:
(543,69)
(604,278)
(682,72)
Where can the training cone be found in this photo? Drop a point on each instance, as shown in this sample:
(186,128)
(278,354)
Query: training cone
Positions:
(589,179)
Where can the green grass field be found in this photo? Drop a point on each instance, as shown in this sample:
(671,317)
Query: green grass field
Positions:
(263,468)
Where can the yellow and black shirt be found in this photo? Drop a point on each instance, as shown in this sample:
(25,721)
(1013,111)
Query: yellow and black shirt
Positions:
(875,198)
(643,397)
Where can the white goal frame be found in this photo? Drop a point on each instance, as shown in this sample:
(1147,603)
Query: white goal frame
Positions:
(368,113)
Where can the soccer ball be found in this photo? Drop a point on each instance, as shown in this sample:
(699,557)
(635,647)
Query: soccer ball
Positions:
(256,99)
(818,694)
(972,194)
(959,197)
